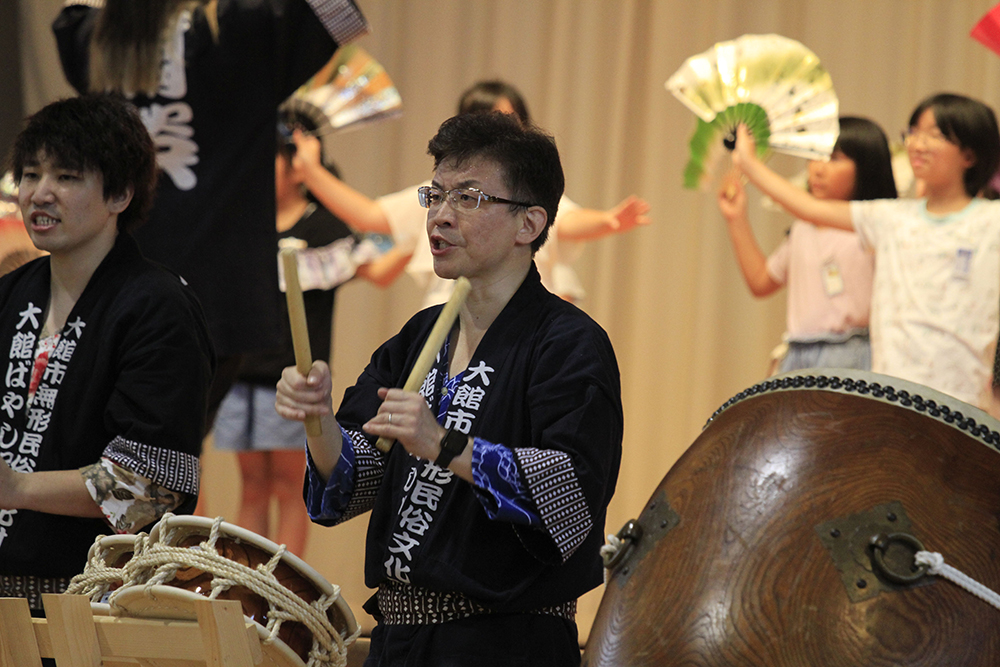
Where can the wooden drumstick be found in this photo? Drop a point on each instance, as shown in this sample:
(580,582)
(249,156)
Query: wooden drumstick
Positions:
(297,318)
(442,327)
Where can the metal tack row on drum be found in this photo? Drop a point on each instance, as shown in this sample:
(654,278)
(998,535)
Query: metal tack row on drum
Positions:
(301,618)
(785,535)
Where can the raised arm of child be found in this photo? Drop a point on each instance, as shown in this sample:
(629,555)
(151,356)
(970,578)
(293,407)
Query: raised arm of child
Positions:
(587,224)
(798,202)
(360,212)
(385,268)
(732,200)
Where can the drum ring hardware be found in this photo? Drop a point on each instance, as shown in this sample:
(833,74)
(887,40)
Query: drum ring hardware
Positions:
(629,535)
(881,543)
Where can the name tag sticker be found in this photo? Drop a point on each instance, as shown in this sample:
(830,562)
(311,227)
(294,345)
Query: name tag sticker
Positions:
(963,264)
(833,279)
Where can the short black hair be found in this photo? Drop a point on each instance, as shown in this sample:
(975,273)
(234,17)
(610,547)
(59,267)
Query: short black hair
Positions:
(484,95)
(95,132)
(970,125)
(865,143)
(290,120)
(527,157)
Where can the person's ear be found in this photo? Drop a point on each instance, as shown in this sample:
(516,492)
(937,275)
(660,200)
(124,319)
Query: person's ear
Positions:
(970,157)
(532,224)
(118,203)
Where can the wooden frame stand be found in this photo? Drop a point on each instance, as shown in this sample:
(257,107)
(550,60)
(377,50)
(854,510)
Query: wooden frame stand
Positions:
(75,637)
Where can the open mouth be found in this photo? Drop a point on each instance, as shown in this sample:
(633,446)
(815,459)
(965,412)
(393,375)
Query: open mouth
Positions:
(43,222)
(439,244)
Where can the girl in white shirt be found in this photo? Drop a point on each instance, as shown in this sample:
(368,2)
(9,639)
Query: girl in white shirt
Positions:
(936,295)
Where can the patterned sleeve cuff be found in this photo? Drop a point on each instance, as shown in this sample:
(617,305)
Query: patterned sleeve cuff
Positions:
(168,468)
(498,485)
(128,500)
(353,483)
(341,18)
(553,485)
(325,502)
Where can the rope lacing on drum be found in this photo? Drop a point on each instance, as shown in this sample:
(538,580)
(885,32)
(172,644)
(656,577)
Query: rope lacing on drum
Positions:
(98,576)
(163,561)
(936,565)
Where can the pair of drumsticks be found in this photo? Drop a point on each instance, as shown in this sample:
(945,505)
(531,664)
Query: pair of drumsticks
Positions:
(303,352)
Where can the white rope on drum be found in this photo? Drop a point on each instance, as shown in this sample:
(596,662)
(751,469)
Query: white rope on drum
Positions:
(157,563)
(98,576)
(936,565)
(609,551)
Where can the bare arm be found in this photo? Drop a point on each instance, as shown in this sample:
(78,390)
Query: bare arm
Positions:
(732,201)
(586,224)
(357,210)
(383,270)
(801,204)
(299,396)
(60,492)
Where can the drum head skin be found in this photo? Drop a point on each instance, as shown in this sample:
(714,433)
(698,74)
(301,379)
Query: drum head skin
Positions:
(755,550)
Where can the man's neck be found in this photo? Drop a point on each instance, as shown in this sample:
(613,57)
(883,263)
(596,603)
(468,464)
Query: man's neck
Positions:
(484,304)
(69,277)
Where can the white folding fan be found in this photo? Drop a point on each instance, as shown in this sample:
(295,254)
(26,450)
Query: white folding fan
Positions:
(774,85)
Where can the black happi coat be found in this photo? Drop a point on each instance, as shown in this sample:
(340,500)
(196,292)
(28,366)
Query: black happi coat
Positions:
(130,381)
(554,385)
(213,217)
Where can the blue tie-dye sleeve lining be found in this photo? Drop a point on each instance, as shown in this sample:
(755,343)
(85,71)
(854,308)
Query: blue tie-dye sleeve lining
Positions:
(498,485)
(326,503)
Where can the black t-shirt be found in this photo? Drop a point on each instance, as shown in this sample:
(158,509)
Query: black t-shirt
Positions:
(317,227)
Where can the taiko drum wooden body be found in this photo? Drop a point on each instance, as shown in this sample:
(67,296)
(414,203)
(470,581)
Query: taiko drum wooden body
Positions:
(757,547)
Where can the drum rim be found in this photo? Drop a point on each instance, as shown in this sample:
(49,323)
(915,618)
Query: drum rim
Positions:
(114,543)
(969,419)
(232,530)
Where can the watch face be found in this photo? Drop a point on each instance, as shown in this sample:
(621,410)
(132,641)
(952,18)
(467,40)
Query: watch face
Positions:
(455,442)
(452,444)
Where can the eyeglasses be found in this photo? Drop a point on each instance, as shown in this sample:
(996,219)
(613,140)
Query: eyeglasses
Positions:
(931,137)
(467,199)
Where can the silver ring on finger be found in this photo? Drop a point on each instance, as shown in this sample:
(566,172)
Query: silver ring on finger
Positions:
(390,419)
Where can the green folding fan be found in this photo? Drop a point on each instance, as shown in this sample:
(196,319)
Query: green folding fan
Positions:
(774,85)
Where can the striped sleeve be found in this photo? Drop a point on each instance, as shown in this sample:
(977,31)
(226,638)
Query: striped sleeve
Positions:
(341,18)
(168,468)
(352,486)
(554,486)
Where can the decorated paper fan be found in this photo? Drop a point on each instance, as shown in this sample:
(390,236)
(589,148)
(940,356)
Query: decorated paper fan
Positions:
(775,85)
(351,90)
(987,31)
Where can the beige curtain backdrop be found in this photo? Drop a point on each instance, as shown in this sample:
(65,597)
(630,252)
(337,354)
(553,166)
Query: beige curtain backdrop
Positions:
(687,332)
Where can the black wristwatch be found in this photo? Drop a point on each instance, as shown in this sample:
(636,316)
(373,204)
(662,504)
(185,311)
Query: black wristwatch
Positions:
(452,444)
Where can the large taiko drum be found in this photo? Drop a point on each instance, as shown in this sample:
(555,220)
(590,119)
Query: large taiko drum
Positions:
(786,535)
(301,618)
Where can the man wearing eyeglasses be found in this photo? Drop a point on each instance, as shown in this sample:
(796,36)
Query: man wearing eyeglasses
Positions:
(488,514)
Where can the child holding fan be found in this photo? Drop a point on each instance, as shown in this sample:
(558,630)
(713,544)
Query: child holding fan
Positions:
(828,271)
(936,294)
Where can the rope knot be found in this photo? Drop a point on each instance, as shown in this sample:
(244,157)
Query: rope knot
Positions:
(934,561)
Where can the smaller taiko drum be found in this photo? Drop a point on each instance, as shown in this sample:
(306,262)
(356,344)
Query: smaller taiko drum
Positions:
(105,569)
(300,617)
